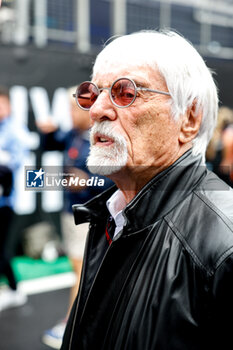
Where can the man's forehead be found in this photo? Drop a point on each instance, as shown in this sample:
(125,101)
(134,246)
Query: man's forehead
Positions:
(141,75)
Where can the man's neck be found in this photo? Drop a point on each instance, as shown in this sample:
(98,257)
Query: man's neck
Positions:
(131,180)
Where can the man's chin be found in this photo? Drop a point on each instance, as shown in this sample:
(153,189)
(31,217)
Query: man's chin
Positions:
(105,170)
(106,163)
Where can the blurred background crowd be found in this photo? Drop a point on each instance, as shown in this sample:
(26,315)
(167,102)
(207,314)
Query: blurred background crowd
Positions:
(47,47)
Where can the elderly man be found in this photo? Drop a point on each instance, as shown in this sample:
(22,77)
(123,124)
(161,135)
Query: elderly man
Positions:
(158,266)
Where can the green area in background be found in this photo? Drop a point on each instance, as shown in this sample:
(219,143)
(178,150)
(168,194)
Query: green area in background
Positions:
(26,268)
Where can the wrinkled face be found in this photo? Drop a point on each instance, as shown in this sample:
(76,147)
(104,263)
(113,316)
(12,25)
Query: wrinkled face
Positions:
(4,107)
(143,134)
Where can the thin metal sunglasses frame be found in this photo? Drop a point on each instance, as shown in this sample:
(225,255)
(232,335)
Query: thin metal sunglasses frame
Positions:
(136,89)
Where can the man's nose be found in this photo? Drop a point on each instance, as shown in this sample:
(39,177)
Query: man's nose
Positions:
(103,108)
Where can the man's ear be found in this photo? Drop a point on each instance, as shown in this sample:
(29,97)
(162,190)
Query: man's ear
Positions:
(191,122)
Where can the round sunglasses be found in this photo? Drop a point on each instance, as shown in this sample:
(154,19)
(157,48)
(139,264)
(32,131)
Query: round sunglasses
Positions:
(122,92)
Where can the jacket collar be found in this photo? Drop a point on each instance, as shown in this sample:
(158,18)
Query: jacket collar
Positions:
(164,192)
(155,199)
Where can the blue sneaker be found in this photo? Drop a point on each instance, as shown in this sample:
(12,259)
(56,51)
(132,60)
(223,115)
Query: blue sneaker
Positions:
(53,337)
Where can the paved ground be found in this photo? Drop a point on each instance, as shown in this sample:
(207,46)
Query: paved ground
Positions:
(21,328)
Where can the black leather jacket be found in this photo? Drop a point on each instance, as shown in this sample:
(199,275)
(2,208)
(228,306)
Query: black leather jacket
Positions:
(166,281)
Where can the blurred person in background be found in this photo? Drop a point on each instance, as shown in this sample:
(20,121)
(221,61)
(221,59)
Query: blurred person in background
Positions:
(75,146)
(226,164)
(219,153)
(13,150)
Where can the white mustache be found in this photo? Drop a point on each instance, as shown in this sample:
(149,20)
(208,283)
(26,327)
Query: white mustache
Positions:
(105,128)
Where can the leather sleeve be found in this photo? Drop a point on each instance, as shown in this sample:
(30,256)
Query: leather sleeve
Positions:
(222,303)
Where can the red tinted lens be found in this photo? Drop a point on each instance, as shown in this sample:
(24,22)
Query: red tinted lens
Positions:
(123,92)
(87,94)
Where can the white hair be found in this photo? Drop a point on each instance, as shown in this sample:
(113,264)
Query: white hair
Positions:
(187,77)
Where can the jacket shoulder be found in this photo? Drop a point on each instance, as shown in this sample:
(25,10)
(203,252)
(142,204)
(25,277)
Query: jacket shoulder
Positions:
(203,222)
